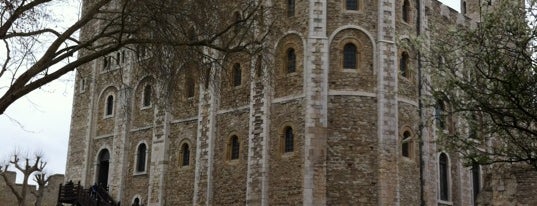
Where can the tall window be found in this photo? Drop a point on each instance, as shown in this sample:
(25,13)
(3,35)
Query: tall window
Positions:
(237,75)
(349,56)
(406,11)
(238,21)
(290,8)
(464,7)
(109,105)
(291,60)
(443,167)
(439,114)
(185,150)
(140,158)
(190,87)
(234,147)
(405,145)
(476,181)
(147,96)
(288,140)
(403,64)
(351,5)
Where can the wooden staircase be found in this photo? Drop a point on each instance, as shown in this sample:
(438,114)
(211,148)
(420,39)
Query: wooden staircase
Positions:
(71,194)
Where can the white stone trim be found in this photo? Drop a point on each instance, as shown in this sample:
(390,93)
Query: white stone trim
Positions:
(223,111)
(287,98)
(407,101)
(184,120)
(141,128)
(351,93)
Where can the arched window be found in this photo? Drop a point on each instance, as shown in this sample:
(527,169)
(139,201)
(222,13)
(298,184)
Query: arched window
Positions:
(234,147)
(237,75)
(238,21)
(290,8)
(185,153)
(476,181)
(140,158)
(147,96)
(464,7)
(351,5)
(109,105)
(288,140)
(443,167)
(403,64)
(439,114)
(406,11)
(405,144)
(190,87)
(291,60)
(349,56)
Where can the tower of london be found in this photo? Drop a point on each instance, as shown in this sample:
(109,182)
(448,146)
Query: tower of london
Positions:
(334,117)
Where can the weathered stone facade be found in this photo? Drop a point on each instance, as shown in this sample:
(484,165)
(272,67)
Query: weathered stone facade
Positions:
(348,125)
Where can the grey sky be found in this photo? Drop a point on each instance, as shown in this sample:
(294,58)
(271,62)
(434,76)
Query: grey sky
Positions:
(40,121)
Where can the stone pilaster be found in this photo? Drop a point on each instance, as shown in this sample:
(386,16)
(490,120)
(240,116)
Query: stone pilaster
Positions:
(316,84)
(160,143)
(258,145)
(388,188)
(119,152)
(203,179)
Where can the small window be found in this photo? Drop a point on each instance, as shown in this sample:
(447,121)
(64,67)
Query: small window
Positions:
(288,140)
(234,147)
(147,96)
(106,63)
(476,181)
(190,87)
(82,84)
(349,56)
(237,75)
(406,11)
(443,167)
(439,114)
(185,153)
(238,22)
(290,8)
(109,106)
(464,7)
(406,144)
(291,60)
(351,5)
(403,65)
(140,158)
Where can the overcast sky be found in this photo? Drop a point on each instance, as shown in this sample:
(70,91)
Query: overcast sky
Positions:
(39,122)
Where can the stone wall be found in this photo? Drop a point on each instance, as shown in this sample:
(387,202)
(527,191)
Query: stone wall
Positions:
(50,195)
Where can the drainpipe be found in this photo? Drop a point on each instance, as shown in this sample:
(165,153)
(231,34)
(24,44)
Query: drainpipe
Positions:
(420,107)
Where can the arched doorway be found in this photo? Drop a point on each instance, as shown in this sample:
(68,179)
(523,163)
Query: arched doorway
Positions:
(102,168)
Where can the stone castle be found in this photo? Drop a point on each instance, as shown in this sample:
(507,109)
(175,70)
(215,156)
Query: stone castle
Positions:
(340,122)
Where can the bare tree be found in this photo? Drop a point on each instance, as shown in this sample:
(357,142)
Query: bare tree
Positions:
(484,79)
(27,167)
(41,179)
(105,26)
